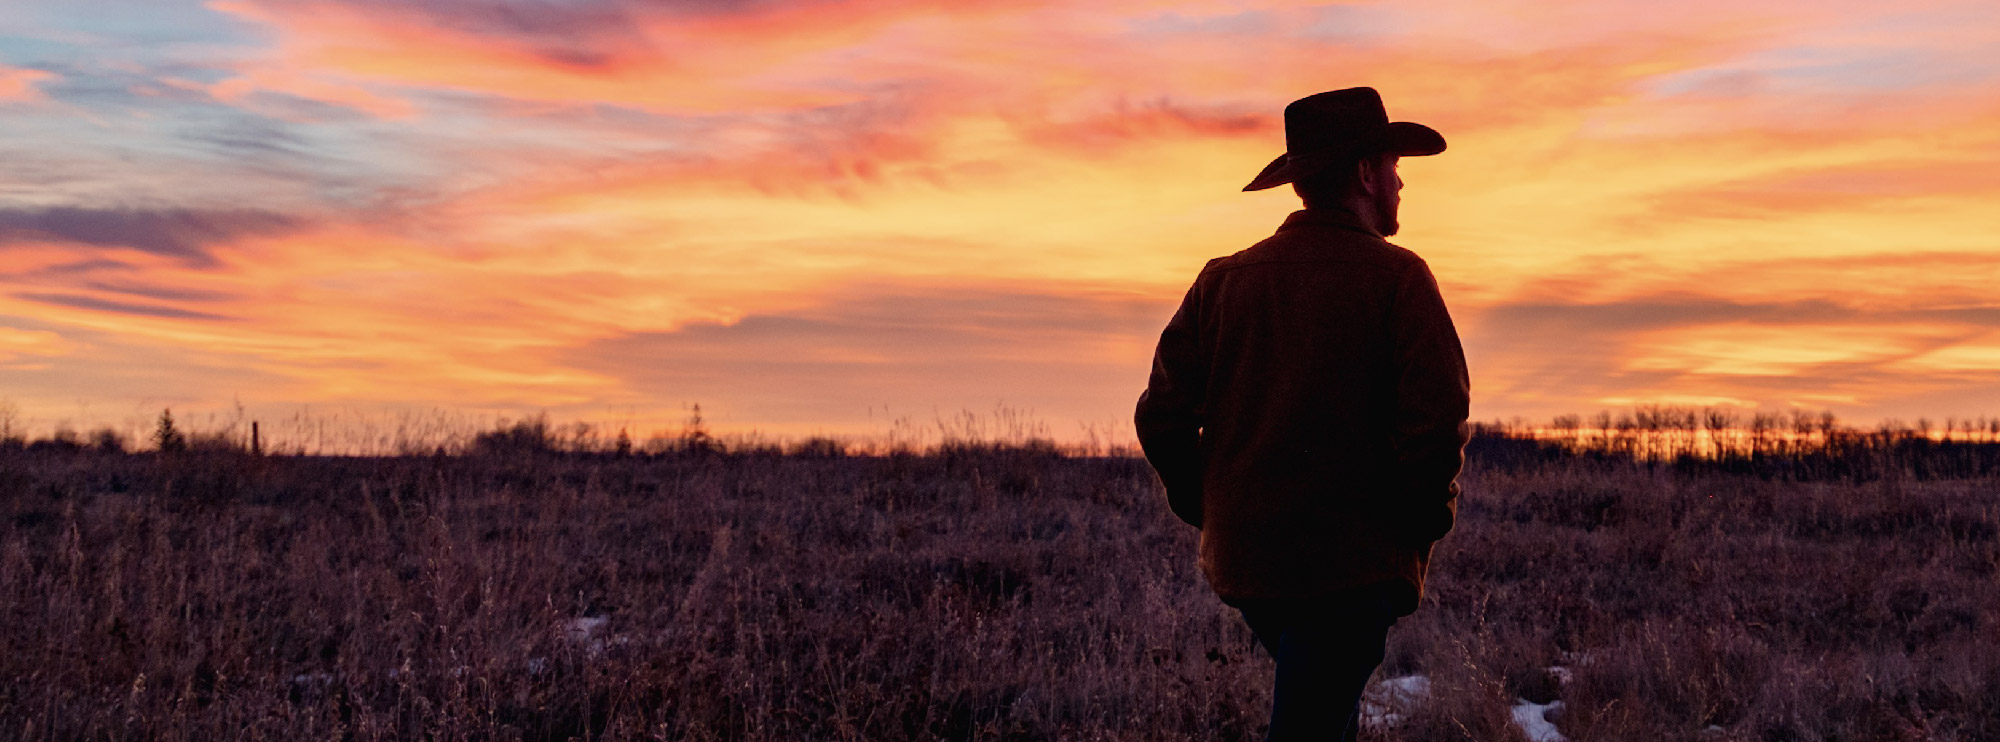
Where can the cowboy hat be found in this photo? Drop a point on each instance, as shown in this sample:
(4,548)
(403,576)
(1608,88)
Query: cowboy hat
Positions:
(1329,128)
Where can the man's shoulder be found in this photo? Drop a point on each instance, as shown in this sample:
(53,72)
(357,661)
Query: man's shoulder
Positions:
(1317,247)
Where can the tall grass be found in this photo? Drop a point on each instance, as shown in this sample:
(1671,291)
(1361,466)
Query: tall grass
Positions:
(976,591)
(337,431)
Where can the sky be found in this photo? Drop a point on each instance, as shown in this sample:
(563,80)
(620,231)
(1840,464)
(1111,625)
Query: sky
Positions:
(829,216)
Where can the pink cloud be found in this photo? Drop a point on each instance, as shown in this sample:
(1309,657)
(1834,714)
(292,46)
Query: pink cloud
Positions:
(243,89)
(21,85)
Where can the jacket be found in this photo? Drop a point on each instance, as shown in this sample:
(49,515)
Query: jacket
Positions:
(1306,411)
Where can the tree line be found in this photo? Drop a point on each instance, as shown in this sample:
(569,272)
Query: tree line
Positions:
(1803,444)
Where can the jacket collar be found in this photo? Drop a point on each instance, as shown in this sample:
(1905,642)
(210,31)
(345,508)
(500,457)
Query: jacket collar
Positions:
(1333,217)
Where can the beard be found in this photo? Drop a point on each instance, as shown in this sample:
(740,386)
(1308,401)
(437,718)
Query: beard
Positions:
(1385,212)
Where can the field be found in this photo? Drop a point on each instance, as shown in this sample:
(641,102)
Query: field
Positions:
(974,592)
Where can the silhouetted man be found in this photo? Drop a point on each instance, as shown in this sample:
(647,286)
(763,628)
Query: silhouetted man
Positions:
(1307,412)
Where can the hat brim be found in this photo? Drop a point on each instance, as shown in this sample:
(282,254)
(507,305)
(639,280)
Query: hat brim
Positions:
(1401,138)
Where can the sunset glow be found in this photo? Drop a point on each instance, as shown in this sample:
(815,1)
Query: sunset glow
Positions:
(818,217)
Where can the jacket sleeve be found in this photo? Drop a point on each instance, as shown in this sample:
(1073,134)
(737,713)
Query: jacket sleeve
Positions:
(1168,420)
(1433,397)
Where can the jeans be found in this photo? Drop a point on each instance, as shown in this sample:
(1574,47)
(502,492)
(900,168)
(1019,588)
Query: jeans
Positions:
(1326,647)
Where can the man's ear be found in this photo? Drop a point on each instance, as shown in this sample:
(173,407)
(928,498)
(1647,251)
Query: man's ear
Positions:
(1369,176)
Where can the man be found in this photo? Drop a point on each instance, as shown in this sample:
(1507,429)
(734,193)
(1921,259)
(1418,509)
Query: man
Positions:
(1307,412)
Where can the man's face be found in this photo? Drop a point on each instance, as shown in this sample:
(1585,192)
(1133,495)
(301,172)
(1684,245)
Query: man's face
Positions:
(1388,194)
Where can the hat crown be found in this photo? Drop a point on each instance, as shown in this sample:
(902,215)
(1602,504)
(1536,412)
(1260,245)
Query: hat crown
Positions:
(1337,120)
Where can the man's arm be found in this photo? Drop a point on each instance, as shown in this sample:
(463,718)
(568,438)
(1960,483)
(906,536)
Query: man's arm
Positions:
(1433,397)
(1168,419)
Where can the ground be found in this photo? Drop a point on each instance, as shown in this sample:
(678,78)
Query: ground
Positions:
(1007,593)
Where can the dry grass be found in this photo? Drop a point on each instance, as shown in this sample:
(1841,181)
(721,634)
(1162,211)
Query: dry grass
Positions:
(977,593)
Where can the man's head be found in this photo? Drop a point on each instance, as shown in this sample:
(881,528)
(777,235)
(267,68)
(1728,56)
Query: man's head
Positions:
(1369,186)
(1341,151)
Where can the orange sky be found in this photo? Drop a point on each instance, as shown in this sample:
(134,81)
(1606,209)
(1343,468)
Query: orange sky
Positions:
(822,216)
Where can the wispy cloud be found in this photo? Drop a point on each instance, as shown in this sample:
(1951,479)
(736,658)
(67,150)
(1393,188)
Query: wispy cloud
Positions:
(1775,354)
(20,85)
(18,344)
(911,349)
(117,307)
(185,234)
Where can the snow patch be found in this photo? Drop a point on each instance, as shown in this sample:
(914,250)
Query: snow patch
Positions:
(1386,703)
(1562,675)
(583,630)
(586,632)
(1533,720)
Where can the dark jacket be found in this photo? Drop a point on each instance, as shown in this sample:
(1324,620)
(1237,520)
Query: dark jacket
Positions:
(1307,411)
